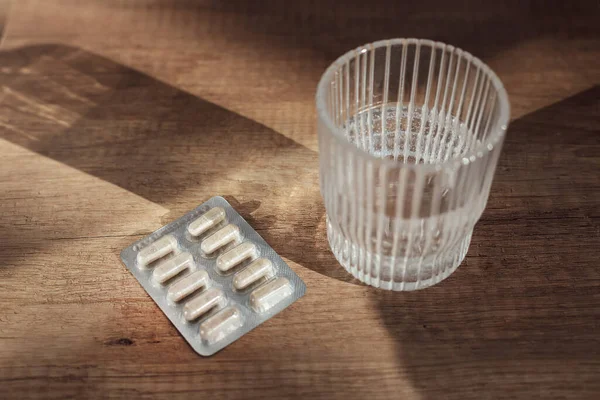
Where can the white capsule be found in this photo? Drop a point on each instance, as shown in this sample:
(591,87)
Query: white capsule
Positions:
(221,325)
(220,238)
(156,250)
(270,294)
(197,306)
(233,257)
(173,266)
(256,270)
(206,221)
(188,285)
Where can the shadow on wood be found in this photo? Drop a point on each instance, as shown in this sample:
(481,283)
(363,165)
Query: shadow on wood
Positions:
(524,306)
(164,144)
(329,28)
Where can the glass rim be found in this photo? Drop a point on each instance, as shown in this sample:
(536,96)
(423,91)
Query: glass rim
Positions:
(499,128)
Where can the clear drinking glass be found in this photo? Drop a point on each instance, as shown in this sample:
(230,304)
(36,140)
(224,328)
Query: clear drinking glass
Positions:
(409,136)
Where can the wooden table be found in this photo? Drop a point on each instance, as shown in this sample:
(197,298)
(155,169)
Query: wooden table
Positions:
(118,116)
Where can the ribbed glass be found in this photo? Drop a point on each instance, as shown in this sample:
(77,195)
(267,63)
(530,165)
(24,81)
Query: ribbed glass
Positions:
(409,136)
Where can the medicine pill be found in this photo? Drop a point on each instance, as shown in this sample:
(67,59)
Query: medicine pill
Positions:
(206,221)
(173,266)
(233,257)
(259,268)
(188,285)
(270,294)
(221,325)
(204,303)
(156,250)
(220,238)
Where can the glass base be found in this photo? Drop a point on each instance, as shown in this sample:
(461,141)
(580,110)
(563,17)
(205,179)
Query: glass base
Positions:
(396,273)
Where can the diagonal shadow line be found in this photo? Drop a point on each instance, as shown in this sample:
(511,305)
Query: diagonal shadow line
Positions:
(163,144)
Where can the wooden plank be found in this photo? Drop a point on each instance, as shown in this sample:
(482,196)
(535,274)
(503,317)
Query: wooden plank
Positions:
(118,116)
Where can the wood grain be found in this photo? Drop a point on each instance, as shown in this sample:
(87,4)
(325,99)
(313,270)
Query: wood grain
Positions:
(118,116)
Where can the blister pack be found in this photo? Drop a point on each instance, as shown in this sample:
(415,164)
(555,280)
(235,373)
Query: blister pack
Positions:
(212,275)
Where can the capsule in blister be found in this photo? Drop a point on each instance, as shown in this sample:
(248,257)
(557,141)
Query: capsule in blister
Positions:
(156,250)
(221,325)
(172,267)
(257,270)
(206,221)
(187,285)
(212,275)
(270,294)
(233,257)
(205,302)
(220,238)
